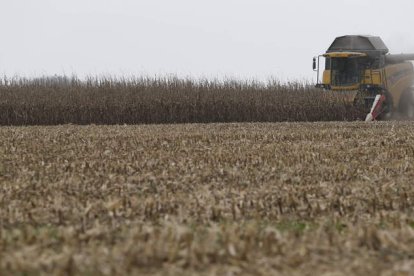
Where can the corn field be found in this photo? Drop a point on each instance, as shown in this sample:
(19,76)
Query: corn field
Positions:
(109,101)
(207,199)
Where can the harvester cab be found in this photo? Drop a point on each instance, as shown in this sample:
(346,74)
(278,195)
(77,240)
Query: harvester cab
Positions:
(360,69)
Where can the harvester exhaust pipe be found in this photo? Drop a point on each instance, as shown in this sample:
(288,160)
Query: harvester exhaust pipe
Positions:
(376,109)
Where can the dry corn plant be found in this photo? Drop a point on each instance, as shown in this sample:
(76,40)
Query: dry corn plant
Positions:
(64,100)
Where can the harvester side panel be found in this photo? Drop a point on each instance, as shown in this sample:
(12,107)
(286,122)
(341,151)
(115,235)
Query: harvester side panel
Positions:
(399,78)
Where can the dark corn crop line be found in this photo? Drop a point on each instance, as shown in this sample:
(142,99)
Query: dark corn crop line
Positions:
(109,101)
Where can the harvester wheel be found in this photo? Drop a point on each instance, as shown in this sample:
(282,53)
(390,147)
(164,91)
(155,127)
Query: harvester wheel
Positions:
(406,105)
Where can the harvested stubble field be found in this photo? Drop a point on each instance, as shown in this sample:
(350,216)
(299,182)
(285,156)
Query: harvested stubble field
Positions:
(224,199)
(64,100)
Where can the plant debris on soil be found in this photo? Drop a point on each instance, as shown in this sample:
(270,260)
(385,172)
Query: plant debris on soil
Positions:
(208,199)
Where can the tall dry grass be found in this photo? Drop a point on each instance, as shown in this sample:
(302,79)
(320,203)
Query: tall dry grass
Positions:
(63,100)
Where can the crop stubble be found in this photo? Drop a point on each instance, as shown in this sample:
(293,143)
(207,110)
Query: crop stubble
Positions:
(304,199)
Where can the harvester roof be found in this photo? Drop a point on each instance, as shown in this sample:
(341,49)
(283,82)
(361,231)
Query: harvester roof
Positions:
(360,43)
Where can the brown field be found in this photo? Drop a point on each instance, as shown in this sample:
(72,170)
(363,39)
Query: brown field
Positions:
(217,199)
(63,100)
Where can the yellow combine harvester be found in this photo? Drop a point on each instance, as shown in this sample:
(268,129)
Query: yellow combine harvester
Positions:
(360,69)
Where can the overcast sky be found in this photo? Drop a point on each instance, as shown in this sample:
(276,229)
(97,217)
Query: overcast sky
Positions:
(199,38)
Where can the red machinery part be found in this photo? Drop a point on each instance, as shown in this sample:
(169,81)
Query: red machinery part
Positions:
(376,109)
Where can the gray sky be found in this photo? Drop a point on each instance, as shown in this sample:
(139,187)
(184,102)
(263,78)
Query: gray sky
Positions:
(199,38)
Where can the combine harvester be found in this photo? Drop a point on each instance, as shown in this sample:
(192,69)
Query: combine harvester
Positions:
(360,69)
